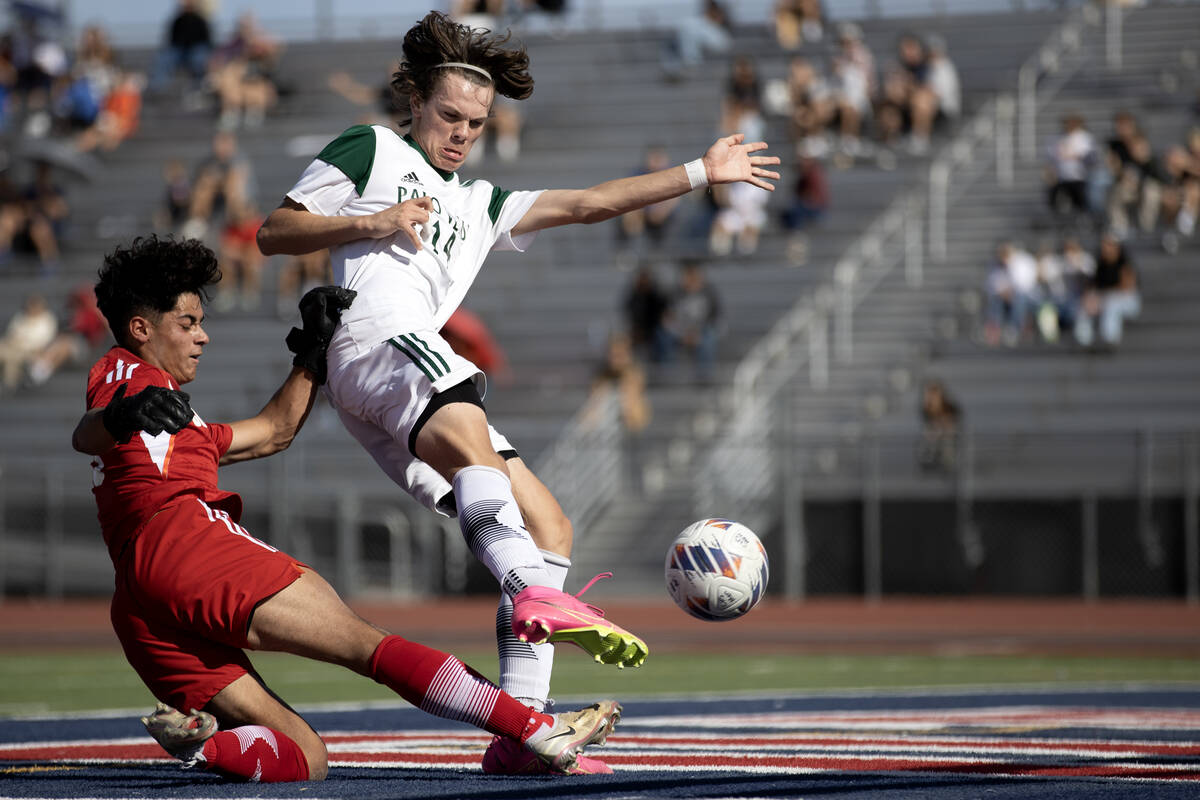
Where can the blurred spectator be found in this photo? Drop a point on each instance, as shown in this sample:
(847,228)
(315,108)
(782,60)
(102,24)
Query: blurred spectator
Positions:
(1111,297)
(119,116)
(644,305)
(176,197)
(797,22)
(241,260)
(943,79)
(809,202)
(1010,295)
(186,48)
(477,13)
(1180,195)
(811,104)
(908,104)
(691,321)
(704,33)
(86,332)
(741,103)
(224,178)
(381,97)
(39,61)
(1076,267)
(1070,158)
(650,225)
(297,275)
(242,73)
(742,207)
(469,336)
(854,88)
(29,332)
(46,213)
(8,83)
(620,371)
(941,419)
(1136,191)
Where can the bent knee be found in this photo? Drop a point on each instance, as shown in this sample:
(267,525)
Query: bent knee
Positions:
(317,756)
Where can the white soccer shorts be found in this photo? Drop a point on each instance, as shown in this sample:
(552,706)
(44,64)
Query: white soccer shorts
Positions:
(380,394)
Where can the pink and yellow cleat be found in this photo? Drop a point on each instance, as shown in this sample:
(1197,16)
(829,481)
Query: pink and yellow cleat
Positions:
(542,614)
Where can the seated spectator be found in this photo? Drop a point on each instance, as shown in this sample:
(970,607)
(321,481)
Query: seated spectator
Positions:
(1010,295)
(119,117)
(186,48)
(647,226)
(797,22)
(742,211)
(697,35)
(241,260)
(223,178)
(811,104)
(1062,281)
(297,275)
(29,332)
(1111,297)
(809,202)
(243,73)
(1136,191)
(691,321)
(477,13)
(1069,160)
(941,419)
(907,103)
(644,305)
(86,332)
(381,97)
(942,79)
(1180,195)
(46,213)
(176,198)
(854,89)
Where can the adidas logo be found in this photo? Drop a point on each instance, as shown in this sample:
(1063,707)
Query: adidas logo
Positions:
(411,178)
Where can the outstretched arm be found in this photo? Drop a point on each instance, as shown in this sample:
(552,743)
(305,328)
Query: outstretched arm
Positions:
(729,160)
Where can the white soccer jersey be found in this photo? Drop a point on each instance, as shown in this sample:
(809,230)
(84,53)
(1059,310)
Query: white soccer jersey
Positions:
(370,168)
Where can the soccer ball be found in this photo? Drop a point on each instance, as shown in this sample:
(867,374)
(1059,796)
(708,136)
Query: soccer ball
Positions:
(716,570)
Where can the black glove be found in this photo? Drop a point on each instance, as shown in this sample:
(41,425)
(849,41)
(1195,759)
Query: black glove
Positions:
(320,311)
(154,409)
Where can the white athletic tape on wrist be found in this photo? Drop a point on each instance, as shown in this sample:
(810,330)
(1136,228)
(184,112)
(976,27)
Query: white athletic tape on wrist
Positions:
(697,174)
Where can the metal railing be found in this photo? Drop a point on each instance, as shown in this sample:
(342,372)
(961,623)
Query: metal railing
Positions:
(819,329)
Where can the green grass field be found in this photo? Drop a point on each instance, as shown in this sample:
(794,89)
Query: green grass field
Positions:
(33,682)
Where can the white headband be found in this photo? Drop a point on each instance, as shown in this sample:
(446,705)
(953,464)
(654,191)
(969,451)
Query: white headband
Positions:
(463,65)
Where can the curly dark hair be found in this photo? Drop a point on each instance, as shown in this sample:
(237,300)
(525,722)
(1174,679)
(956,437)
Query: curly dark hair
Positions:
(147,277)
(437,39)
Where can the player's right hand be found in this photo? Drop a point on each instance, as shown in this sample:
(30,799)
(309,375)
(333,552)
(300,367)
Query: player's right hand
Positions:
(154,409)
(402,218)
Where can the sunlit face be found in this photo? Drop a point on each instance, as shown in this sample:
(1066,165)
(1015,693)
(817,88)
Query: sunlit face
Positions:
(447,123)
(174,341)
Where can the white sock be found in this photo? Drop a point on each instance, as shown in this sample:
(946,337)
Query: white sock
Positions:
(491,523)
(525,668)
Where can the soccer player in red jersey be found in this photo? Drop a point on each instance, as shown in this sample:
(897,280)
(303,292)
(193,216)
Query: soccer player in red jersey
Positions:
(194,589)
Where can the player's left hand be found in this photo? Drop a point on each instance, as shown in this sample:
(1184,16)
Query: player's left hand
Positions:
(320,310)
(729,160)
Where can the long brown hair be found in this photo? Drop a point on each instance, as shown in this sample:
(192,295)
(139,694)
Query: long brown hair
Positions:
(437,39)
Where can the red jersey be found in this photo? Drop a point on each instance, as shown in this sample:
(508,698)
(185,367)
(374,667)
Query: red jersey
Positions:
(135,480)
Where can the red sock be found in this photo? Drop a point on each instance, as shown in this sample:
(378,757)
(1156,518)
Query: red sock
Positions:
(257,754)
(442,685)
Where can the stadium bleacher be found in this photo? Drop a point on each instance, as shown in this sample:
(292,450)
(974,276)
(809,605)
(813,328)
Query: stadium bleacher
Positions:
(599,101)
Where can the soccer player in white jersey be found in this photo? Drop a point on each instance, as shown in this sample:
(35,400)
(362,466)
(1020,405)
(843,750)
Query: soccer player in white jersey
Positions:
(409,236)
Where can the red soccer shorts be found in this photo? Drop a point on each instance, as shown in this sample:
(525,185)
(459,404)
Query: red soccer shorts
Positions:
(186,588)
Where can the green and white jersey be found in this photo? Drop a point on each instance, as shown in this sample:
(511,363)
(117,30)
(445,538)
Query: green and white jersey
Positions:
(400,290)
